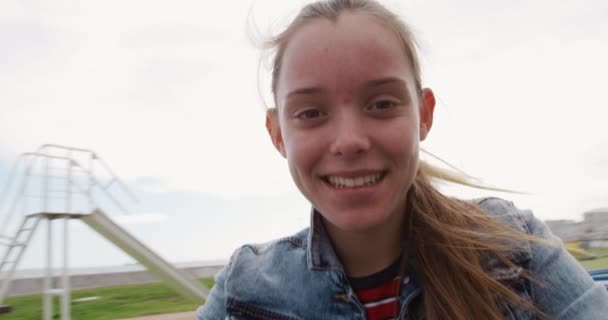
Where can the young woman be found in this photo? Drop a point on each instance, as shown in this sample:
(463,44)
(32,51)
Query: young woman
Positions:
(383,242)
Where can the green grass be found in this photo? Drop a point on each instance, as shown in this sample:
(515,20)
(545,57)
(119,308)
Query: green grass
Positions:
(113,303)
(146,299)
(599,251)
(600,263)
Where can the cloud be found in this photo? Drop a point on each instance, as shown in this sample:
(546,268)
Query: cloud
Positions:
(171,91)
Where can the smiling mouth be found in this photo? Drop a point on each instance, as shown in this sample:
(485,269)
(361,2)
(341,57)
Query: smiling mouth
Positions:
(354,182)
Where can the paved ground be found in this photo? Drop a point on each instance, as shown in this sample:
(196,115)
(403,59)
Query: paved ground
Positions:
(191,315)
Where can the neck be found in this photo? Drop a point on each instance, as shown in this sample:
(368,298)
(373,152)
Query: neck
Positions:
(365,252)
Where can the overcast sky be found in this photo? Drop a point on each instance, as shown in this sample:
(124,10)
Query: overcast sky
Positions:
(167,93)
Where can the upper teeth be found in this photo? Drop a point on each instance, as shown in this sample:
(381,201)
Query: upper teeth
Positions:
(342,182)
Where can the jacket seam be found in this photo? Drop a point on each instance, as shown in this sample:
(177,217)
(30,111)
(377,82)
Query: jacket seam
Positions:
(263,247)
(256,312)
(484,199)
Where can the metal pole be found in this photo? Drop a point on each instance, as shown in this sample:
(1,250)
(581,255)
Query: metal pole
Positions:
(65,302)
(91,182)
(48,299)
(45,186)
(48,276)
(65,279)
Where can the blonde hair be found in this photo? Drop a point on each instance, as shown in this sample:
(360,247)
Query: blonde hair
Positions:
(449,237)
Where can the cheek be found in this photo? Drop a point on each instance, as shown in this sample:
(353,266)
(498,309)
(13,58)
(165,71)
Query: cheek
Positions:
(400,140)
(302,159)
(303,153)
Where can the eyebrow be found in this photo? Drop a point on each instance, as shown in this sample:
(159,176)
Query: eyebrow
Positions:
(306,90)
(372,83)
(386,80)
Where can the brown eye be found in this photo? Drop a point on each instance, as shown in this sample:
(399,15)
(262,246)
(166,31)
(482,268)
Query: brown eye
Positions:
(309,114)
(382,105)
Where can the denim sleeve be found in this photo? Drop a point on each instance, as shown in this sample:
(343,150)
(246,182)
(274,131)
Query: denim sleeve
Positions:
(563,290)
(215,306)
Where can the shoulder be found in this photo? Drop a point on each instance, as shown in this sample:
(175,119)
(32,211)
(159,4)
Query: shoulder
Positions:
(259,277)
(506,212)
(267,279)
(298,241)
(559,286)
(253,260)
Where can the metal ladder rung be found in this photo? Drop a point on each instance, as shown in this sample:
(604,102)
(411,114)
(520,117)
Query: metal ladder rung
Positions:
(17,244)
(12,246)
(5,242)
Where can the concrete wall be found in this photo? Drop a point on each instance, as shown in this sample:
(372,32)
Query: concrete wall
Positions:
(29,286)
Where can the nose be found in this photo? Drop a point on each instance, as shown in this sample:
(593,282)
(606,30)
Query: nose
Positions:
(350,138)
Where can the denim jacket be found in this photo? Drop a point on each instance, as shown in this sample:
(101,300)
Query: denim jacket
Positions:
(300,277)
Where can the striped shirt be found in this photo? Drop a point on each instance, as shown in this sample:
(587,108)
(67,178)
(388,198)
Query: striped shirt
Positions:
(379,292)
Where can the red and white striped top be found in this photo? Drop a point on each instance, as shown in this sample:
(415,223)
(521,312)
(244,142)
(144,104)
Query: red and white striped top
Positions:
(381,302)
(379,293)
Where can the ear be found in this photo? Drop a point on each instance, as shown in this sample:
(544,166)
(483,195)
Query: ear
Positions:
(427,107)
(274,130)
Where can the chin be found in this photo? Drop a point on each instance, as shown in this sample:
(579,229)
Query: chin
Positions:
(356,223)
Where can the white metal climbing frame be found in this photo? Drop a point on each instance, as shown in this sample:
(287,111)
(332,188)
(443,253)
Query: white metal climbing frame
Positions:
(46,185)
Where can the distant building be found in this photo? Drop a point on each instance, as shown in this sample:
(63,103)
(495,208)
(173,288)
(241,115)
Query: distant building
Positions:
(592,231)
(567,230)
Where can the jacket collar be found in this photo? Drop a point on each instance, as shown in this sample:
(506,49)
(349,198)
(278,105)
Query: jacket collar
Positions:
(321,255)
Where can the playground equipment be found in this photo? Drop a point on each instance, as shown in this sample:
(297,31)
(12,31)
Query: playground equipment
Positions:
(56,186)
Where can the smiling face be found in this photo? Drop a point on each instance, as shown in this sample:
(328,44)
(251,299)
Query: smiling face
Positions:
(349,120)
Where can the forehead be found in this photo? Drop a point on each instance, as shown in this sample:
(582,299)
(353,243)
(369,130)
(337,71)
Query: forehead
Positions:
(342,54)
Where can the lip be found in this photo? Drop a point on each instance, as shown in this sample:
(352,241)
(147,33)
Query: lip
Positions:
(353,173)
